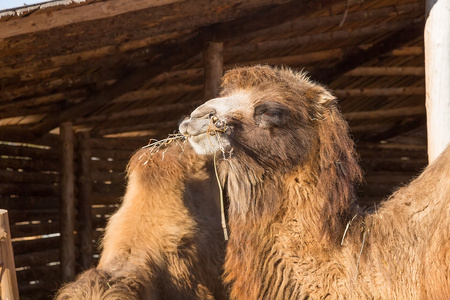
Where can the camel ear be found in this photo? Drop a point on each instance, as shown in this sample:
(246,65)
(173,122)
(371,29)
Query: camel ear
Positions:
(326,99)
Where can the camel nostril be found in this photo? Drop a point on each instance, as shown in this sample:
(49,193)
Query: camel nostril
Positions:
(213,118)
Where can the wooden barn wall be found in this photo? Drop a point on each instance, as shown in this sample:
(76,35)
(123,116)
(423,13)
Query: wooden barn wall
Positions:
(29,176)
(29,190)
(386,167)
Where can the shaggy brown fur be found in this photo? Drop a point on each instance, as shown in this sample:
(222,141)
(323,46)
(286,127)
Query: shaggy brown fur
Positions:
(165,241)
(289,168)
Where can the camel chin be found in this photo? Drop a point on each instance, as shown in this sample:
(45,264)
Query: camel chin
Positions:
(207,144)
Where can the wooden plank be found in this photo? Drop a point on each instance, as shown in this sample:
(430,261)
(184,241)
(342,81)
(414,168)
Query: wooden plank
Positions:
(84,200)
(155,126)
(38,258)
(381,92)
(119,154)
(28,246)
(18,202)
(213,65)
(30,190)
(29,165)
(23,215)
(28,177)
(9,287)
(28,230)
(77,14)
(387,71)
(141,111)
(437,69)
(67,207)
(386,113)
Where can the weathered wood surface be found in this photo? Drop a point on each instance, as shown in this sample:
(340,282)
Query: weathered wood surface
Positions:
(67,207)
(8,284)
(77,14)
(84,199)
(213,64)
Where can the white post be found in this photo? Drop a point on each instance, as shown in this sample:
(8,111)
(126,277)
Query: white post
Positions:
(437,76)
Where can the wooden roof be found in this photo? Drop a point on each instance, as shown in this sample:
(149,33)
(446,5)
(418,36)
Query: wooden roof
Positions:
(134,67)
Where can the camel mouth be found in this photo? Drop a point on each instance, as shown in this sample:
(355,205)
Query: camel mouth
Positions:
(209,142)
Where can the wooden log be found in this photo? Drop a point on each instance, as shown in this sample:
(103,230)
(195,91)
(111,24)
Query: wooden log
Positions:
(84,200)
(18,202)
(67,205)
(386,113)
(34,189)
(91,11)
(387,71)
(157,92)
(34,230)
(28,177)
(28,152)
(115,144)
(301,58)
(381,92)
(141,111)
(155,126)
(41,244)
(9,287)
(406,51)
(437,70)
(29,165)
(110,155)
(213,65)
(114,166)
(31,215)
(39,258)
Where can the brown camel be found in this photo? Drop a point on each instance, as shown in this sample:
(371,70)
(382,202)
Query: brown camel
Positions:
(165,241)
(289,167)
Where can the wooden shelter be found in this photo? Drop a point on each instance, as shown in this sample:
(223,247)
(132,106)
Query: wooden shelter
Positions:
(83,83)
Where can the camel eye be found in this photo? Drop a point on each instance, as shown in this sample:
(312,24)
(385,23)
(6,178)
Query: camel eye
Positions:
(270,114)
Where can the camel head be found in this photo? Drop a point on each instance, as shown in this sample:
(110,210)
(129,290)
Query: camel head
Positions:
(270,115)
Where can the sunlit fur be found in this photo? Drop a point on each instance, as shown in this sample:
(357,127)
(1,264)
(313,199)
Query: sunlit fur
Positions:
(291,193)
(165,241)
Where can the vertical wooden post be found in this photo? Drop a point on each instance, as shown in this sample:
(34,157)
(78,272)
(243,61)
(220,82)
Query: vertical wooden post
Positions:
(9,288)
(84,200)
(67,209)
(437,76)
(213,64)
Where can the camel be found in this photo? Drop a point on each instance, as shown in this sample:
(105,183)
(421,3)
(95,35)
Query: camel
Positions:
(165,241)
(288,166)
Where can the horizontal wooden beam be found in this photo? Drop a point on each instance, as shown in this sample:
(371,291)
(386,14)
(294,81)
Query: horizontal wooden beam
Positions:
(381,92)
(140,127)
(157,92)
(387,71)
(406,51)
(320,37)
(303,24)
(304,58)
(157,109)
(76,14)
(386,113)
